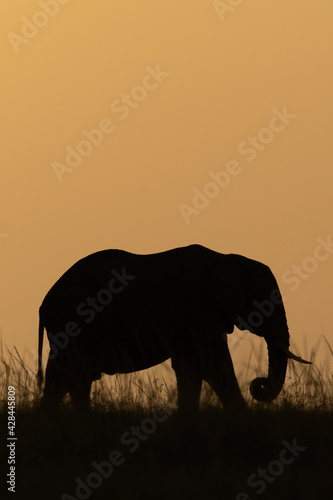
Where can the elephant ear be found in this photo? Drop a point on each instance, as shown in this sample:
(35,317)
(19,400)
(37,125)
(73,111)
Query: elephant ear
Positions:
(233,286)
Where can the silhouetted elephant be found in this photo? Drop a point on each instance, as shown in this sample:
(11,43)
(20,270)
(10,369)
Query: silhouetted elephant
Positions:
(117,312)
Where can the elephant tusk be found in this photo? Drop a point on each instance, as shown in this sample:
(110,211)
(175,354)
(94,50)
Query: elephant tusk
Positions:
(297,358)
(293,356)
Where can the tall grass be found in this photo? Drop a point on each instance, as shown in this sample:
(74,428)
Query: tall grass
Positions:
(306,386)
(209,457)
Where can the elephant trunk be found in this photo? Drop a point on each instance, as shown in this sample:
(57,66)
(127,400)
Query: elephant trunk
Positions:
(266,389)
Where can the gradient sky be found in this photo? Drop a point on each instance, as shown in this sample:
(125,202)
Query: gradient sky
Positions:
(224,79)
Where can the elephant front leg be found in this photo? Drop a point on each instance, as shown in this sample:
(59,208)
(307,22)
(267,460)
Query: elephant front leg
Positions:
(219,372)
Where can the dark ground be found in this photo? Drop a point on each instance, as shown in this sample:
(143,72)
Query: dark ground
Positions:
(210,458)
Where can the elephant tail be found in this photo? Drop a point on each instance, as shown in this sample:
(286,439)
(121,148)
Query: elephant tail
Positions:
(40,376)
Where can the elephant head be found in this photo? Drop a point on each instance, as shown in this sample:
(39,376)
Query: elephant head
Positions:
(249,295)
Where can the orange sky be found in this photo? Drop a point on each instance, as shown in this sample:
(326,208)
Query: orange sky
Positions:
(181,92)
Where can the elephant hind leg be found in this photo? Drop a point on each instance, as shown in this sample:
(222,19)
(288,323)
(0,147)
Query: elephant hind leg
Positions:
(60,380)
(189,381)
(79,390)
(55,387)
